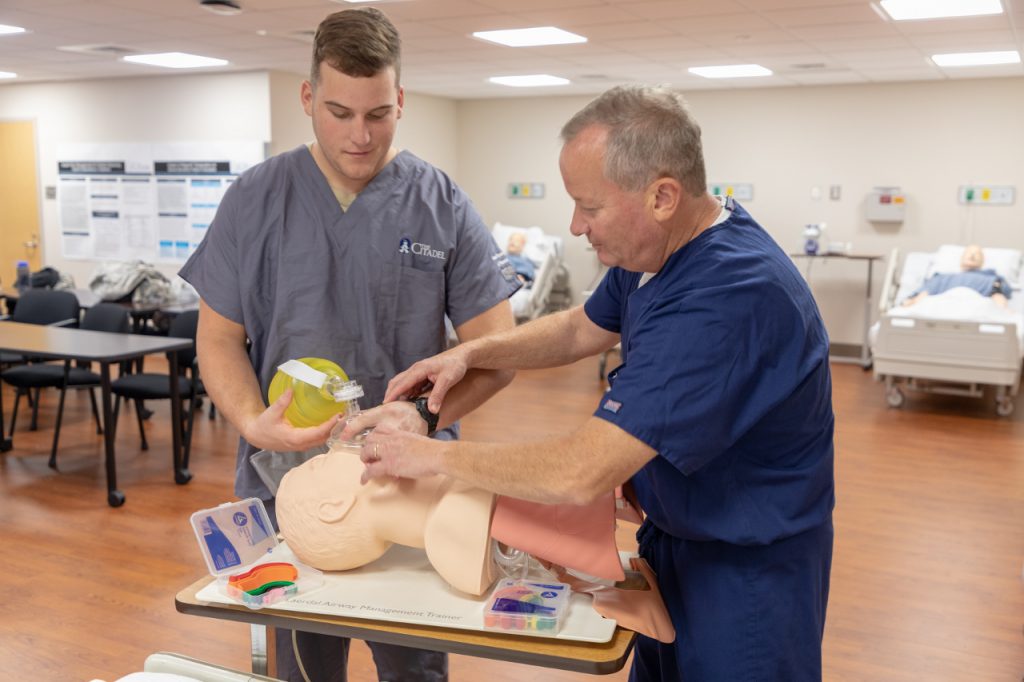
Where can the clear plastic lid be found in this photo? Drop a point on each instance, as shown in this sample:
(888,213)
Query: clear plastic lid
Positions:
(233,535)
(527,607)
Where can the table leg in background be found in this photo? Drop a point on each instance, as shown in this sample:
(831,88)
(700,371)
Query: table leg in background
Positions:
(115,498)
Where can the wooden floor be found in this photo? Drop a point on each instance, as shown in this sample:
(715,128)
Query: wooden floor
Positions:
(926,582)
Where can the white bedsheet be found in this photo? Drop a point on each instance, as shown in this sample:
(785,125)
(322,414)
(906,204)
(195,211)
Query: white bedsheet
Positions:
(963,304)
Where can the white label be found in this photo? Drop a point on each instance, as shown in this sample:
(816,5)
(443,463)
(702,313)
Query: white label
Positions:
(300,371)
(902,322)
(991,328)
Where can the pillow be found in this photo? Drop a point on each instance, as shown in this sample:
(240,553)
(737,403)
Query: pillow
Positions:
(1006,262)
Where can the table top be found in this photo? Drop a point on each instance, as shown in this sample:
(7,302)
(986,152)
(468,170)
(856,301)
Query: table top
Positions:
(587,657)
(82,344)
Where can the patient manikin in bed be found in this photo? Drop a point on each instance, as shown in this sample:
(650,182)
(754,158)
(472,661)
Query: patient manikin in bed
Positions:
(525,270)
(333,522)
(985,281)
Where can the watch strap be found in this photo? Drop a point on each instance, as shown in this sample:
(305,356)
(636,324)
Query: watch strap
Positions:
(428,416)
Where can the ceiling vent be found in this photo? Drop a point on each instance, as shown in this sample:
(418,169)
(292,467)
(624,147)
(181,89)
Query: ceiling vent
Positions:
(222,7)
(100,49)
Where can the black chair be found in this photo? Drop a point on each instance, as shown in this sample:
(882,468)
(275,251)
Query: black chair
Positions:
(104,317)
(42,306)
(153,386)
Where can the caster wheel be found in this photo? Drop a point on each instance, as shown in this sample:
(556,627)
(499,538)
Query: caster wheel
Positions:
(182,477)
(895,397)
(1004,408)
(115,498)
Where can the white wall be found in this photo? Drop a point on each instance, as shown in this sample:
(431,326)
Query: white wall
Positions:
(427,127)
(166,109)
(927,138)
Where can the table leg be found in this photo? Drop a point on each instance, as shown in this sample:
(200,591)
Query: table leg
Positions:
(115,498)
(865,351)
(5,443)
(259,649)
(181,474)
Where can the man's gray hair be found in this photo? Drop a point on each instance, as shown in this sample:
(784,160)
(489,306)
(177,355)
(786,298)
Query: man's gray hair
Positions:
(651,135)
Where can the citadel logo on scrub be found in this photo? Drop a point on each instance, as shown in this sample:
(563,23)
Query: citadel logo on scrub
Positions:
(240,519)
(406,245)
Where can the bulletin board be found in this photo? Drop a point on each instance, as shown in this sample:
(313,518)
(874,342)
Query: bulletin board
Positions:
(150,202)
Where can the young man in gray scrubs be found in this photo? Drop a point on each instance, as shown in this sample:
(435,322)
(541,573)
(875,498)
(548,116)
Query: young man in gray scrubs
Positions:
(350,250)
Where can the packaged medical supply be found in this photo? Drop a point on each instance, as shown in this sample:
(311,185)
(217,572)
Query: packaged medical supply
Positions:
(527,607)
(241,550)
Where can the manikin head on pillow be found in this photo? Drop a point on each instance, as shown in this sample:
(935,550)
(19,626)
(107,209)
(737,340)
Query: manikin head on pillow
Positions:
(516,243)
(973,258)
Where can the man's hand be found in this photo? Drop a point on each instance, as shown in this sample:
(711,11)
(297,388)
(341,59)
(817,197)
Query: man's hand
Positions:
(441,371)
(397,416)
(271,430)
(388,452)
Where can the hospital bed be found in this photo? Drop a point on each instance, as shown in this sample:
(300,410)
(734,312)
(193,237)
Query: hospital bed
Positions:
(957,342)
(545,251)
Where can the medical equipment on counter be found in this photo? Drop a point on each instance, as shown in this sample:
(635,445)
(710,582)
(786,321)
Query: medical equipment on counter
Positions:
(812,234)
(527,607)
(238,544)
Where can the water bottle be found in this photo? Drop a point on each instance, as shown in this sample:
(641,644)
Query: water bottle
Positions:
(318,387)
(23,279)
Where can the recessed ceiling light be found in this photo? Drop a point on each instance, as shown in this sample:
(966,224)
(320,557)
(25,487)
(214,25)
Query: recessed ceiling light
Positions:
(535,80)
(905,10)
(226,8)
(730,71)
(8,74)
(529,37)
(976,58)
(174,60)
(8,30)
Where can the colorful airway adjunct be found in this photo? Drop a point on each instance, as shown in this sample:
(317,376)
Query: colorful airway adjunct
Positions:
(527,607)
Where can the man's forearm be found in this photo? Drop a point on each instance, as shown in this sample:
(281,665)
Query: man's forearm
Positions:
(549,341)
(473,391)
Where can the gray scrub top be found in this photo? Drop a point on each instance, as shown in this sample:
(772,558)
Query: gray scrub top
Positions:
(368,288)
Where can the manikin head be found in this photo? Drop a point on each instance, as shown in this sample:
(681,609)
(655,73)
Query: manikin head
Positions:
(516,242)
(972,259)
(334,523)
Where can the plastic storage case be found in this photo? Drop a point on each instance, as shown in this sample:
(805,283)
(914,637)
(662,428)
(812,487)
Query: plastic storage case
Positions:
(237,538)
(528,607)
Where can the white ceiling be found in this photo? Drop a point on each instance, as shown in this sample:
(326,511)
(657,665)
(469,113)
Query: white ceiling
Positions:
(805,42)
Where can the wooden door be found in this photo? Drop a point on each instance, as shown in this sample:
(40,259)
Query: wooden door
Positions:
(19,200)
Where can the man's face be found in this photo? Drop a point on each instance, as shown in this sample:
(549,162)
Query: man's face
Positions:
(354,121)
(613,220)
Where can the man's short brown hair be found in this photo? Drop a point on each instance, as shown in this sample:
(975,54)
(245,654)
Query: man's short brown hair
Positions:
(360,42)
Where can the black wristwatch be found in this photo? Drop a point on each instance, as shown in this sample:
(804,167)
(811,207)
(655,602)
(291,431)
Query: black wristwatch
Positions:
(428,416)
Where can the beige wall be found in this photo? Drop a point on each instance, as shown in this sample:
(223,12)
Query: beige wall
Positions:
(132,110)
(927,138)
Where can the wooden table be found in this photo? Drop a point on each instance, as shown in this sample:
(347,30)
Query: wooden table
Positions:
(105,348)
(586,657)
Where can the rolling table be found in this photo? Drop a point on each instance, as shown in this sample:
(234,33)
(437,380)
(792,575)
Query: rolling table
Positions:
(586,657)
(105,348)
(865,350)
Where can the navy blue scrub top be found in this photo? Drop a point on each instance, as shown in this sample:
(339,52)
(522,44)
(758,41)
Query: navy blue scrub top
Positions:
(725,374)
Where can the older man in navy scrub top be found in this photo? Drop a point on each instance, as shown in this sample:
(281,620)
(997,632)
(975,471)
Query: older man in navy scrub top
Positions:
(349,250)
(720,414)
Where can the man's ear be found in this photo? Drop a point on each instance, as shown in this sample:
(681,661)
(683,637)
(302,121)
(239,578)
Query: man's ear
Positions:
(664,195)
(306,97)
(334,510)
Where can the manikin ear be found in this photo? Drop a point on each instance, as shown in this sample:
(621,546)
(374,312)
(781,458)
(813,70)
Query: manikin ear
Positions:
(334,510)
(664,198)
